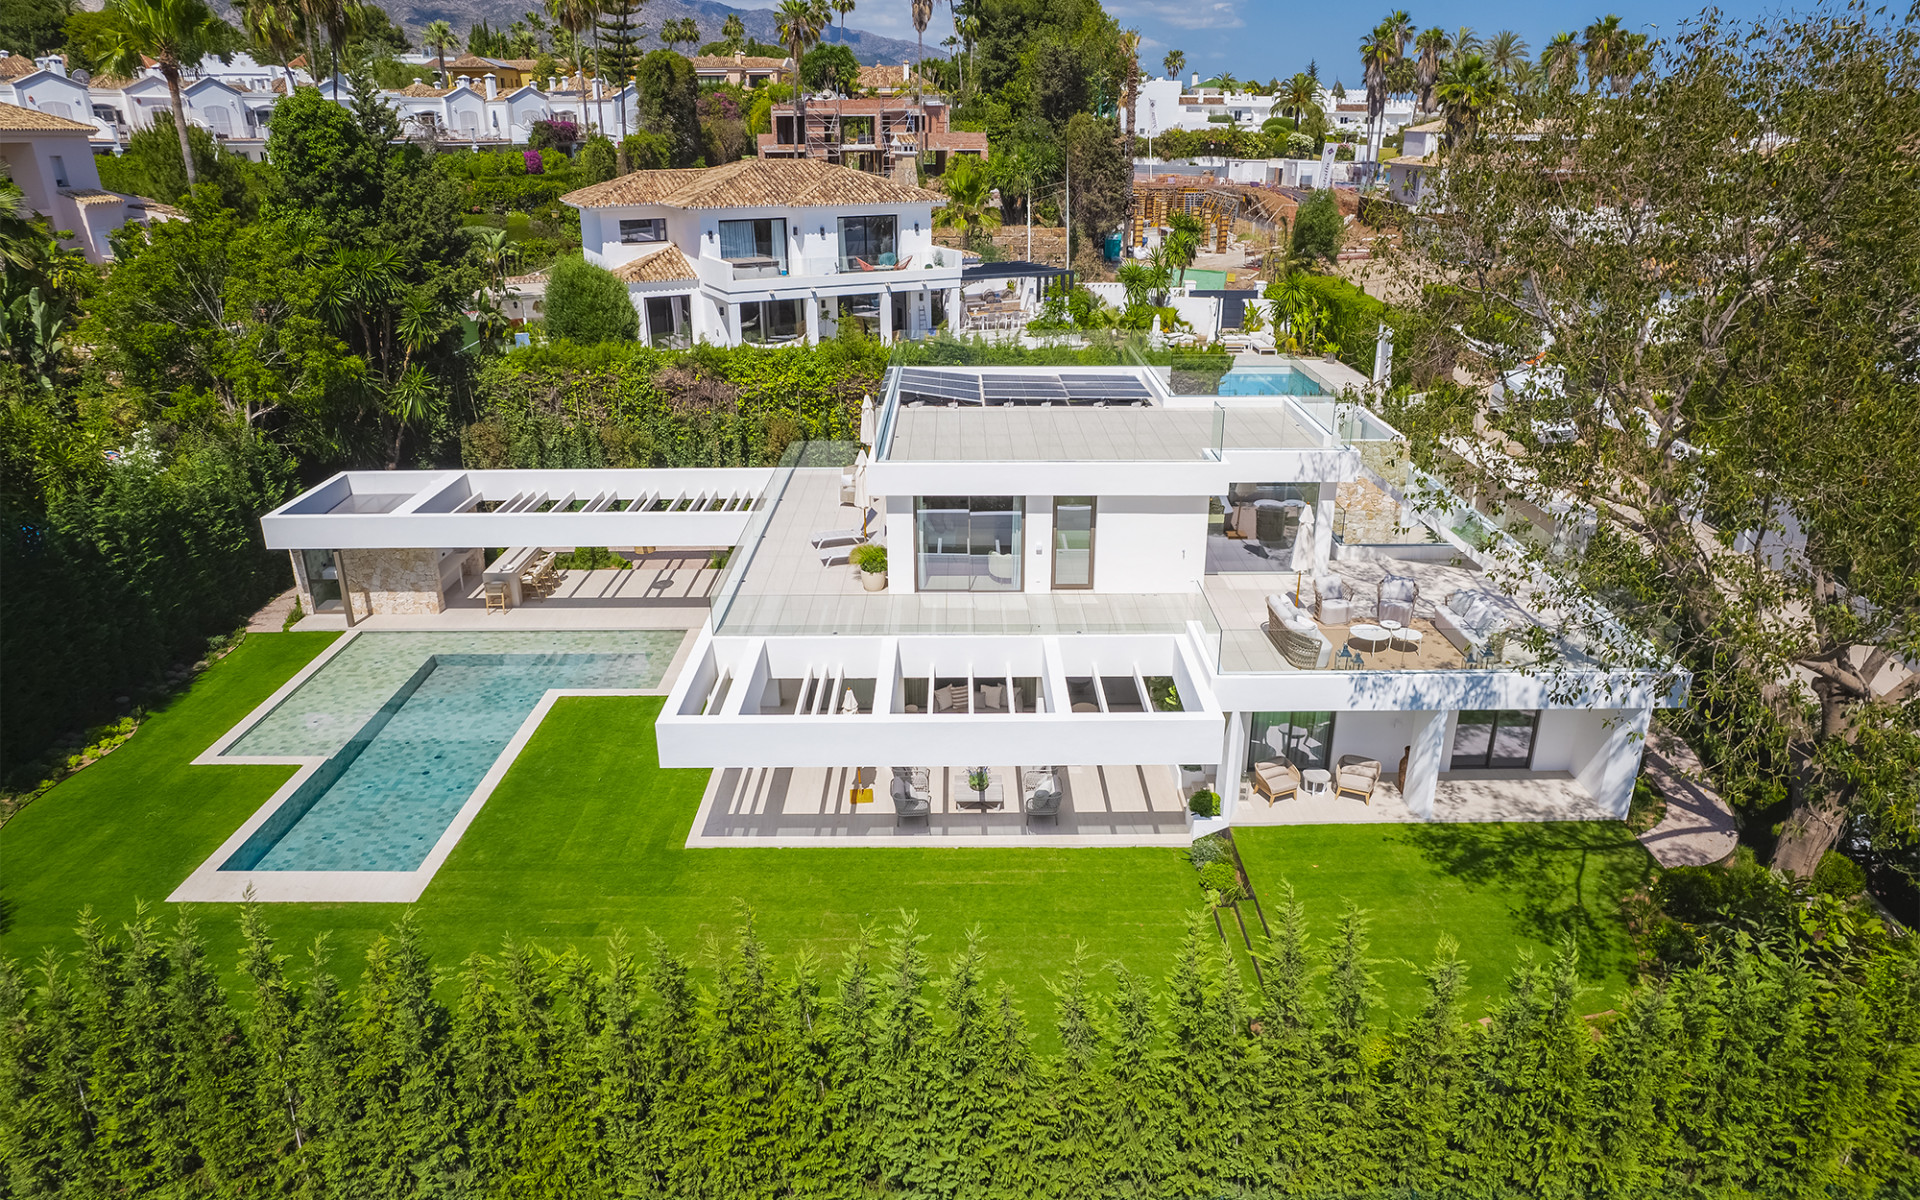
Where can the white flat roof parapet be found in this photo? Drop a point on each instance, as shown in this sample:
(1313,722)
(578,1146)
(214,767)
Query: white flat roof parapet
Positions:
(383,510)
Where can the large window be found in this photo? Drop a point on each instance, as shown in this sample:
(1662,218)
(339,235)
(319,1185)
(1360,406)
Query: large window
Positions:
(867,243)
(967,543)
(1255,525)
(1498,739)
(760,244)
(1303,738)
(1073,541)
(772,321)
(645,229)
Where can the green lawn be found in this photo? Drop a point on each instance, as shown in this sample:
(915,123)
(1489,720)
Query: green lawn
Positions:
(586,836)
(1500,890)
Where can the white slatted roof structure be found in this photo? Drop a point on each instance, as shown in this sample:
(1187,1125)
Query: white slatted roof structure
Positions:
(387,510)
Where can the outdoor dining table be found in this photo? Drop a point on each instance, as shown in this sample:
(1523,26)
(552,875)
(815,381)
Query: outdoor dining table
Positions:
(507,568)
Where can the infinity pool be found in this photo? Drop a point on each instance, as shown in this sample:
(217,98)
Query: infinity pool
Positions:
(409,725)
(1269,381)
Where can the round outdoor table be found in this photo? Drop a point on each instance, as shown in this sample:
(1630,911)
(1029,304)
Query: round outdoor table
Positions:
(1316,782)
(1373,635)
(1407,641)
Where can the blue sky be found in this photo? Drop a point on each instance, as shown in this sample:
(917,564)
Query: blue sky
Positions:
(1262,39)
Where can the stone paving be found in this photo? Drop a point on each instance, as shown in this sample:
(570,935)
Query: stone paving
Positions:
(1698,828)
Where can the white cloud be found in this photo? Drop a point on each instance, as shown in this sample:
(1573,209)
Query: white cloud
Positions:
(1203,14)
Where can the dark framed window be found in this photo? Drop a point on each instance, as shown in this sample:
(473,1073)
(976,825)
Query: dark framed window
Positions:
(867,243)
(759,237)
(644,229)
(1494,739)
(1073,518)
(1304,739)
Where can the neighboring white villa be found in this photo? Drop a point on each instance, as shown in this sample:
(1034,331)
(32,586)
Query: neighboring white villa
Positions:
(771,251)
(1107,589)
(1170,104)
(50,159)
(1408,174)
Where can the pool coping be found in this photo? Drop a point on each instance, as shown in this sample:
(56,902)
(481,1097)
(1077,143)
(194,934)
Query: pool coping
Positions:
(209,884)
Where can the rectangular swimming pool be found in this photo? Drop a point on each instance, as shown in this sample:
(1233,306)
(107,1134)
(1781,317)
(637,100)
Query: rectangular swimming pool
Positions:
(1269,381)
(410,724)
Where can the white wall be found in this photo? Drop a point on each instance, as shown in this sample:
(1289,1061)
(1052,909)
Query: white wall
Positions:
(1149,543)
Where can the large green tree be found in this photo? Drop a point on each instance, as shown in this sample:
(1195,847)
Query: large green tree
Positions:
(1719,297)
(176,34)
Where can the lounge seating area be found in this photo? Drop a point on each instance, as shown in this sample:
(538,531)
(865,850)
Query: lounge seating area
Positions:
(1296,635)
(1354,777)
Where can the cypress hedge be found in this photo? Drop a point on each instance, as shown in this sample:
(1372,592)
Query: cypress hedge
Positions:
(1762,1071)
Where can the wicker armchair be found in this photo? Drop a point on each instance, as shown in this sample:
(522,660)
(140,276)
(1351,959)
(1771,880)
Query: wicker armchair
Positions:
(1275,780)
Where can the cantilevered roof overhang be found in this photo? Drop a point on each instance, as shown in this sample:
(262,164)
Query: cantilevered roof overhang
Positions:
(387,510)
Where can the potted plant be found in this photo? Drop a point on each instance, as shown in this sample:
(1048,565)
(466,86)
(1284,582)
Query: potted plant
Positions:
(1205,803)
(872,562)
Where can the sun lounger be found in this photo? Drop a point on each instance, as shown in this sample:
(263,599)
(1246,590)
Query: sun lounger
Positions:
(837,537)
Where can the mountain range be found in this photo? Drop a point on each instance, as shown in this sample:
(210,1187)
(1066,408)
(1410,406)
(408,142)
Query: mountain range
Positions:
(762,24)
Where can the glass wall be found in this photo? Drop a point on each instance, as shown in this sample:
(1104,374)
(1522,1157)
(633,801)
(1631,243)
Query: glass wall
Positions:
(323,582)
(756,245)
(765,322)
(1073,541)
(1303,738)
(1498,739)
(967,543)
(1255,525)
(867,243)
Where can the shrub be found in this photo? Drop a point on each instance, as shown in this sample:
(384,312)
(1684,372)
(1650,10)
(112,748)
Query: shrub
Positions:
(1209,850)
(1691,894)
(1220,877)
(1205,803)
(871,559)
(1839,876)
(1318,226)
(596,163)
(587,304)
(591,558)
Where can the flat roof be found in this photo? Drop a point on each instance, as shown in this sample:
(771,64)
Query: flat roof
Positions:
(1082,434)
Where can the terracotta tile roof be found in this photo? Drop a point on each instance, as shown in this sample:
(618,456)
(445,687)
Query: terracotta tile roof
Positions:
(88,197)
(422,91)
(861,106)
(1411,160)
(522,64)
(111,83)
(751,183)
(665,265)
(886,76)
(14,66)
(15,119)
(718,62)
(1438,126)
(471,62)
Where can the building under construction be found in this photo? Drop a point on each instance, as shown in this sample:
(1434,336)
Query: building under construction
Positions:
(1214,205)
(882,135)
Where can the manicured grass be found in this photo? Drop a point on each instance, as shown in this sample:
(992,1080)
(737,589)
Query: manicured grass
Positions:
(587,836)
(1501,891)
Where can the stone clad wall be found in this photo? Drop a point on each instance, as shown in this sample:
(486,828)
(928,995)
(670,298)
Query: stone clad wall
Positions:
(397,582)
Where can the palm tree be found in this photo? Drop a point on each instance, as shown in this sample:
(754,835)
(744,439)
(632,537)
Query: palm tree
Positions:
(843,7)
(1299,94)
(1505,51)
(1465,42)
(799,29)
(733,33)
(1605,45)
(1433,44)
(681,31)
(1630,62)
(1174,62)
(1468,89)
(970,202)
(1376,57)
(176,34)
(1130,44)
(1561,60)
(437,37)
(575,16)
(335,17)
(922,13)
(273,26)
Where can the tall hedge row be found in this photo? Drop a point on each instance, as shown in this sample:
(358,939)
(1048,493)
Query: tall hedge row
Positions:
(131,1072)
(117,561)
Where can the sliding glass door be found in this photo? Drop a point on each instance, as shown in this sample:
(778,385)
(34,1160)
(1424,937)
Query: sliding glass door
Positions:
(1499,739)
(967,543)
(1304,739)
(1072,542)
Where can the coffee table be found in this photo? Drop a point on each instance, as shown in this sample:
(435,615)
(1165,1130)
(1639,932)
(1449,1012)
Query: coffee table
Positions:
(1371,634)
(1407,641)
(993,797)
(1316,782)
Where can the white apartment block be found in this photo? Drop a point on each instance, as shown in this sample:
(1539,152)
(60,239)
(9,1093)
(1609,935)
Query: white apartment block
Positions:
(1170,104)
(1107,589)
(771,252)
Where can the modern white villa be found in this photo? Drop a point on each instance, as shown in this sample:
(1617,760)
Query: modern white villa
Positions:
(770,252)
(1106,589)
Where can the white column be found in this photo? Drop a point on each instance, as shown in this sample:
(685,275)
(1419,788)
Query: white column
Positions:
(733,324)
(1233,764)
(886,317)
(813,320)
(955,307)
(1618,737)
(1426,754)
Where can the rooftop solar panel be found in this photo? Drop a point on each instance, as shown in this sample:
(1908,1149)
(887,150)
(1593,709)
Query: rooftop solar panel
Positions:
(1032,389)
(1104,387)
(939,386)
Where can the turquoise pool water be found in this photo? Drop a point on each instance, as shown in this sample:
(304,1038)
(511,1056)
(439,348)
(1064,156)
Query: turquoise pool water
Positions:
(1268,381)
(409,725)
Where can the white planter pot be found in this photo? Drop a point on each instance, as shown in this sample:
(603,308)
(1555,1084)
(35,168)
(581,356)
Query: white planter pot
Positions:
(873,581)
